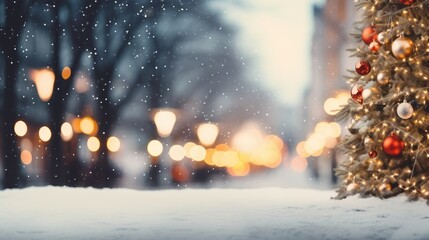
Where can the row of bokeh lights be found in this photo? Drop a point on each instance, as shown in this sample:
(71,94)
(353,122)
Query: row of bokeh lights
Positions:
(269,152)
(86,125)
(325,134)
(248,148)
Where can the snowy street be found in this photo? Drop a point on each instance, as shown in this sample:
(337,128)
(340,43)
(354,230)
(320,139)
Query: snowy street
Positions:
(266,213)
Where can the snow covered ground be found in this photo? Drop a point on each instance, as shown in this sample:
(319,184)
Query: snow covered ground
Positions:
(266,213)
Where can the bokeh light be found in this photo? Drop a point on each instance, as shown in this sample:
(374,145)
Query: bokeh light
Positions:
(240,169)
(66,73)
(164,121)
(93,144)
(207,133)
(300,150)
(247,139)
(113,144)
(76,125)
(155,148)
(66,131)
(187,147)
(298,164)
(209,156)
(331,106)
(44,80)
(335,129)
(323,129)
(197,153)
(176,152)
(45,134)
(88,126)
(314,144)
(277,141)
(26,157)
(20,128)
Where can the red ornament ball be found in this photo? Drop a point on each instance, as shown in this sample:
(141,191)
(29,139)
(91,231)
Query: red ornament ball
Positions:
(363,67)
(407,2)
(369,34)
(372,154)
(393,145)
(356,93)
(374,46)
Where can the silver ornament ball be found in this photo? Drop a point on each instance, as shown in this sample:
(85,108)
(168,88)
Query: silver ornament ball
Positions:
(405,110)
(368,142)
(382,38)
(383,78)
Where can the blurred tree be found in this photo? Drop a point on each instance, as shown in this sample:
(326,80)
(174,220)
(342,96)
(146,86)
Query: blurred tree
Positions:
(15,15)
(120,44)
(70,33)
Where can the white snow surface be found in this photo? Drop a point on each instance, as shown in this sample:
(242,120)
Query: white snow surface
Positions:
(266,213)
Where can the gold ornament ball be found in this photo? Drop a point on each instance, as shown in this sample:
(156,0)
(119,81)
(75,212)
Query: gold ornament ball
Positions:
(383,78)
(402,47)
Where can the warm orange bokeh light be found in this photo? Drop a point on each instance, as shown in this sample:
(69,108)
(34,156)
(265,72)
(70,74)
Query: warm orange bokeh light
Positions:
(298,164)
(76,125)
(278,142)
(240,169)
(66,73)
(26,157)
(209,156)
(300,150)
(113,144)
(88,126)
(93,144)
(66,131)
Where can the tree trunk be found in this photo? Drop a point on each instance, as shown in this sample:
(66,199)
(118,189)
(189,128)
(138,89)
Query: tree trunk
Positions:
(11,158)
(56,171)
(103,174)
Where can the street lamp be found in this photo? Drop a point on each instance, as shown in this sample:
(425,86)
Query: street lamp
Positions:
(164,119)
(44,80)
(207,133)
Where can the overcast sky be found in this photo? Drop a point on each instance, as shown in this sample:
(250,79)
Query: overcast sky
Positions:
(277,33)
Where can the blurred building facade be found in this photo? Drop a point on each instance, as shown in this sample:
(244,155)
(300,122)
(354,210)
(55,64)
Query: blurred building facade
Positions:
(333,24)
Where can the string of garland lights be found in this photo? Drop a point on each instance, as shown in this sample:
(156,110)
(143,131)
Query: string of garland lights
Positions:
(388,144)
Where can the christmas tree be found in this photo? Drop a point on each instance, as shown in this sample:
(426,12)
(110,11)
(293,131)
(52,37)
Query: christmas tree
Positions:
(388,145)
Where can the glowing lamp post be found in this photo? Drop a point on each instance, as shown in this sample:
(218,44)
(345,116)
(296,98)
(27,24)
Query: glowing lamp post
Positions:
(164,121)
(207,133)
(44,80)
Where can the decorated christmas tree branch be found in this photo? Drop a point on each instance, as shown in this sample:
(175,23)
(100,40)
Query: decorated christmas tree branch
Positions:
(388,145)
